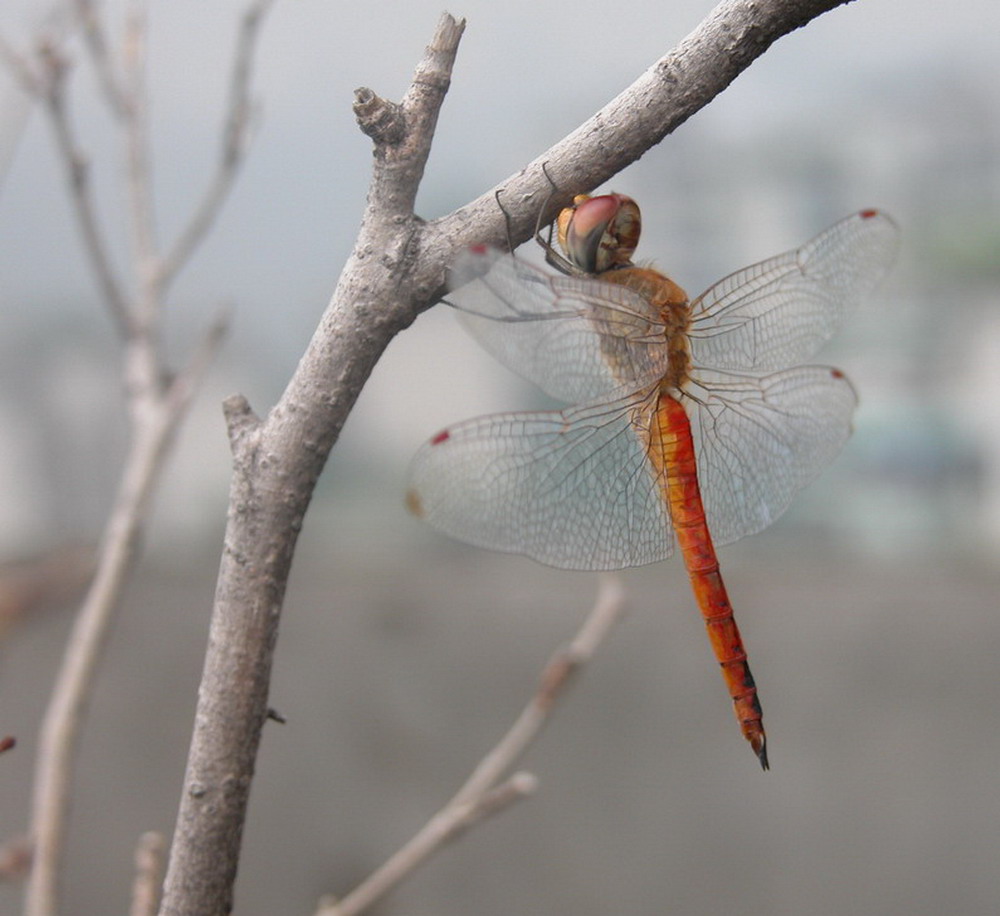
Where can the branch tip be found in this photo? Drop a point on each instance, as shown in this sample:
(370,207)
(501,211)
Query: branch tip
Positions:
(524,783)
(448,32)
(240,418)
(434,68)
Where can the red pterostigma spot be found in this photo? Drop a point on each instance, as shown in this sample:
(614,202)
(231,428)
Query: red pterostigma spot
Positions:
(442,436)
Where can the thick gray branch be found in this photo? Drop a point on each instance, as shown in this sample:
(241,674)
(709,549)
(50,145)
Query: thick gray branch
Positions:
(676,86)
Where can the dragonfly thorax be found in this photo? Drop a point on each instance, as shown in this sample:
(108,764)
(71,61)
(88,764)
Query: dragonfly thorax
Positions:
(675,311)
(599,236)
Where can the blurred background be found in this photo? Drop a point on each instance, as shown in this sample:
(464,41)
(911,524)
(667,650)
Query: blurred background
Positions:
(870,610)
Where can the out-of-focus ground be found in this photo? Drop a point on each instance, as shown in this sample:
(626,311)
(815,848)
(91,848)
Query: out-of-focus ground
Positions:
(397,669)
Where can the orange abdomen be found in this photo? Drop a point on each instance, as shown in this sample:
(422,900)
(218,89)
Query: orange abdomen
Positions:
(672,452)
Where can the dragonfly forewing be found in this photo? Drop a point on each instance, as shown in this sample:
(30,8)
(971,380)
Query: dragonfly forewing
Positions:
(579,340)
(779,312)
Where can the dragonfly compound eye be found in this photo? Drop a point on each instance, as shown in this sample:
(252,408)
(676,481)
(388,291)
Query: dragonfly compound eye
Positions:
(600,233)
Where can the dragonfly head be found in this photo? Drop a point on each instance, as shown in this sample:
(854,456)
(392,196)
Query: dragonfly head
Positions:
(600,233)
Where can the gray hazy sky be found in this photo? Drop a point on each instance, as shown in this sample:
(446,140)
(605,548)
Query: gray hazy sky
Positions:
(527,74)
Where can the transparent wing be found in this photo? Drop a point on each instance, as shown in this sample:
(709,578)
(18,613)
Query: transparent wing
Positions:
(572,488)
(781,311)
(759,440)
(578,339)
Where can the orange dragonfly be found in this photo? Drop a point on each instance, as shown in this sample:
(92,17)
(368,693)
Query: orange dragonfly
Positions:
(690,426)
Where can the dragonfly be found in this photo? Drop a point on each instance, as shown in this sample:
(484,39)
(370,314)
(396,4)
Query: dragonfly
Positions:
(692,422)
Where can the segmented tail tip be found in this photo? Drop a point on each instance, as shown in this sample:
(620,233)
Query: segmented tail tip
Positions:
(759,745)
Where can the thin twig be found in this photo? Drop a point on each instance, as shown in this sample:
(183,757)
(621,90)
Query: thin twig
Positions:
(555,678)
(100,57)
(73,688)
(30,81)
(15,117)
(157,403)
(78,172)
(484,793)
(233,147)
(139,171)
(148,874)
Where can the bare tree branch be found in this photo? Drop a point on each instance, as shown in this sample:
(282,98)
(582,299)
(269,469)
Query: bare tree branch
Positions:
(486,791)
(234,142)
(679,84)
(257,558)
(78,172)
(134,110)
(396,269)
(102,60)
(156,399)
(64,716)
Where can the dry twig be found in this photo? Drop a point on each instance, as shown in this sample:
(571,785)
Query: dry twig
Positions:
(156,399)
(487,791)
(235,136)
(53,87)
